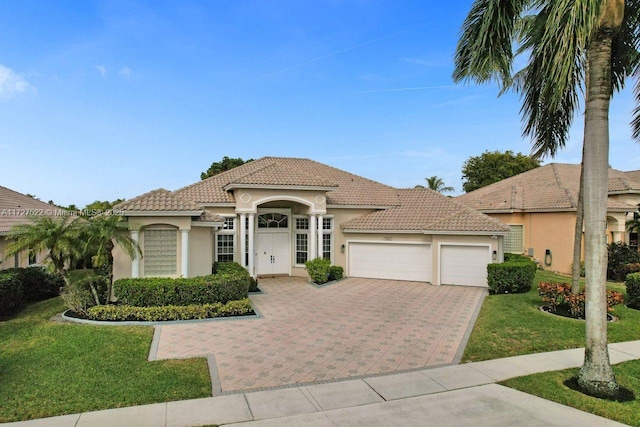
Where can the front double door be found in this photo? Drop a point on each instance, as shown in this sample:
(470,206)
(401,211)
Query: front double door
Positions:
(273,253)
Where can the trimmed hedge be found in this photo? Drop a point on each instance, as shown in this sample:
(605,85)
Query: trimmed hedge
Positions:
(11,295)
(632,282)
(38,284)
(511,277)
(230,283)
(335,272)
(169,312)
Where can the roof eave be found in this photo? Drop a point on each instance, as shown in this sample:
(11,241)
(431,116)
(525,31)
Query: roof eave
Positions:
(466,233)
(161,213)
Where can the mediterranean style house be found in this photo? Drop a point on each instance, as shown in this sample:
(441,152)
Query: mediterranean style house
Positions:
(540,208)
(273,214)
(17,208)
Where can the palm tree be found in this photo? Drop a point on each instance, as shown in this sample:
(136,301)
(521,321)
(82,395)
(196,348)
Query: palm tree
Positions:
(574,46)
(104,232)
(437,184)
(58,236)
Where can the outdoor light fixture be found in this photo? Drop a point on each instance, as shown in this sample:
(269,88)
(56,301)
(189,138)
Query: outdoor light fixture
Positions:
(342,249)
(495,255)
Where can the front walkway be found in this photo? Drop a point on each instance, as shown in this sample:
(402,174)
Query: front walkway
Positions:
(352,328)
(460,395)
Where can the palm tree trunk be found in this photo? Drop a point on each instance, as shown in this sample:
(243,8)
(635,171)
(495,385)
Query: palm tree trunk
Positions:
(596,376)
(577,239)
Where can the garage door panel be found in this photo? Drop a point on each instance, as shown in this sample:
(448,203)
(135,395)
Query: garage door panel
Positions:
(464,265)
(392,261)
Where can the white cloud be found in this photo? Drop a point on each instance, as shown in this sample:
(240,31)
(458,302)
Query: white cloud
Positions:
(125,72)
(102,70)
(12,84)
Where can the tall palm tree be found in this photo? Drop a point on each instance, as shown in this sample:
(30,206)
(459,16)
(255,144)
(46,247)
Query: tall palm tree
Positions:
(58,236)
(574,46)
(103,233)
(437,184)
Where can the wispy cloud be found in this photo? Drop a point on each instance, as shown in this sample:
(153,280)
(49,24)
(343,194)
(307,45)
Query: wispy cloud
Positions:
(404,89)
(12,84)
(102,70)
(125,72)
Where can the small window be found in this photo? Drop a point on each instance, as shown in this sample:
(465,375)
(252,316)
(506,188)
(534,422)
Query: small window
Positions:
(327,223)
(225,248)
(302,223)
(327,237)
(273,220)
(514,240)
(302,248)
(33,258)
(229,223)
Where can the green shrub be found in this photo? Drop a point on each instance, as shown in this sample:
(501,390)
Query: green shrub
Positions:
(37,283)
(318,270)
(159,291)
(170,312)
(97,285)
(512,277)
(515,257)
(633,289)
(619,256)
(335,272)
(11,294)
(253,285)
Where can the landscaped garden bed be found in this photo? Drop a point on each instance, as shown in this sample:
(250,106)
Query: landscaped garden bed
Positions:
(222,294)
(322,273)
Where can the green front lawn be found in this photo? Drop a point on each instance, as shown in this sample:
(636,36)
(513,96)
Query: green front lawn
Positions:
(549,385)
(51,368)
(512,324)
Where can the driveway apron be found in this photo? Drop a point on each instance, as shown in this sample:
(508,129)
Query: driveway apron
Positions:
(352,328)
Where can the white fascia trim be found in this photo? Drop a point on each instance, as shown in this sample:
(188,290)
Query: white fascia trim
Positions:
(349,230)
(332,206)
(624,192)
(217,205)
(279,187)
(163,213)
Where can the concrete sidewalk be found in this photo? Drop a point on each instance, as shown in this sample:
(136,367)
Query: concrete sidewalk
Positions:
(453,395)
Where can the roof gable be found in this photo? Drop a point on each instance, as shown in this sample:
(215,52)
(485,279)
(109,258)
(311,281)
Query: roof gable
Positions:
(159,200)
(16,208)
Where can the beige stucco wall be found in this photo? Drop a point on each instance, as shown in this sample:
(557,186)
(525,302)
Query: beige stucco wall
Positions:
(200,246)
(250,199)
(23,257)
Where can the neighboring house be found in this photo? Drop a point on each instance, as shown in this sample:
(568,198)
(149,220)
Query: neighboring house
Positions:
(17,208)
(273,214)
(540,207)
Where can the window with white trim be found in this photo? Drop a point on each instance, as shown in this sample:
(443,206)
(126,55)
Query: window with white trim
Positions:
(302,240)
(160,252)
(225,247)
(514,240)
(327,238)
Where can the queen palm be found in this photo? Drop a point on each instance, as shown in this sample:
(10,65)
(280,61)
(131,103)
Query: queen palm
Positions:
(103,233)
(573,47)
(58,236)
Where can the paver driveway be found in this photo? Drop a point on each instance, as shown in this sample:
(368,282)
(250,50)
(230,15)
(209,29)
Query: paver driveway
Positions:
(352,328)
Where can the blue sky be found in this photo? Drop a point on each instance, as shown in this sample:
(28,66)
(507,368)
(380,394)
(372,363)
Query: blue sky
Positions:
(110,99)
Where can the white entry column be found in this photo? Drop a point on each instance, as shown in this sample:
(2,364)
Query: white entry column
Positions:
(320,233)
(135,264)
(313,234)
(243,240)
(184,255)
(251,243)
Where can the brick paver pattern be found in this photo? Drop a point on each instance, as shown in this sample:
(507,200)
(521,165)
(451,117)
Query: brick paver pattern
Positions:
(352,328)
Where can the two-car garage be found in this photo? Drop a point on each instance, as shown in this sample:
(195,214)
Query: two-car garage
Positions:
(459,264)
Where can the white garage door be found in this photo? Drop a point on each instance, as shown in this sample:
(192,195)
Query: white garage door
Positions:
(464,265)
(395,261)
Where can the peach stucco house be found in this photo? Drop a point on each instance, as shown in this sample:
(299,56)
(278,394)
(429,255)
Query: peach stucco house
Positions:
(273,214)
(540,208)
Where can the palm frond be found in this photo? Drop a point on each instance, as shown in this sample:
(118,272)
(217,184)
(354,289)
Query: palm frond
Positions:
(485,50)
(635,124)
(556,40)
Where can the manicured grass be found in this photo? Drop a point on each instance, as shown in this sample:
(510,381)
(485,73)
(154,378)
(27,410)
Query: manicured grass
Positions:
(549,385)
(510,325)
(51,368)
